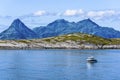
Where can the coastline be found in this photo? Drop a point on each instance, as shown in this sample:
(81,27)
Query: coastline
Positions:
(70,41)
(43,45)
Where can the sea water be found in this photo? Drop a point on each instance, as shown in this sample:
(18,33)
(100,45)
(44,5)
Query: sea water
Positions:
(59,64)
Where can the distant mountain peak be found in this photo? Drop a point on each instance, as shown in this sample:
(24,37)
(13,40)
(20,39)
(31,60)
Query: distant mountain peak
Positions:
(88,21)
(16,21)
(18,30)
(61,21)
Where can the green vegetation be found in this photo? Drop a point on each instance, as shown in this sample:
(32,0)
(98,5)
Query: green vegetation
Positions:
(83,38)
(115,41)
(23,41)
(75,38)
(1,41)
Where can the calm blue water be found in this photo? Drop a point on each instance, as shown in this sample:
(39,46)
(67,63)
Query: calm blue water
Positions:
(59,65)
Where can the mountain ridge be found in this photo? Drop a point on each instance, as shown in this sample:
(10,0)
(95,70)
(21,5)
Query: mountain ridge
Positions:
(18,30)
(58,27)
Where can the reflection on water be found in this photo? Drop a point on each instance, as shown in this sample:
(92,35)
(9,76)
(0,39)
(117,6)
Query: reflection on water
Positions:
(90,65)
(59,65)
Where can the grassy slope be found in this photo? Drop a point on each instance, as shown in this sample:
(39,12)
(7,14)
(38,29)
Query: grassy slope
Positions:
(76,37)
(83,38)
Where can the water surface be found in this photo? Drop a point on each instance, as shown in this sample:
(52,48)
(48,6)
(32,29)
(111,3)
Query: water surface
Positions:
(59,65)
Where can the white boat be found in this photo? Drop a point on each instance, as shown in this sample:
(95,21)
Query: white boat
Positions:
(91,59)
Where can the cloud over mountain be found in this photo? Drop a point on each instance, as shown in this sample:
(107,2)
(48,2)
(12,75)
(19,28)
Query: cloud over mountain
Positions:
(103,14)
(39,13)
(93,14)
(43,13)
(107,17)
(73,12)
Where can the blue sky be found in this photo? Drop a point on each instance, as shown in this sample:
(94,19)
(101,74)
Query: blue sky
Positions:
(35,13)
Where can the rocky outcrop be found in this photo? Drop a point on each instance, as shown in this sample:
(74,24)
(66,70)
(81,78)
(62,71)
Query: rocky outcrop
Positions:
(41,44)
(70,41)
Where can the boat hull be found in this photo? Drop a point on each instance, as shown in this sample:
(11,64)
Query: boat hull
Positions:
(92,61)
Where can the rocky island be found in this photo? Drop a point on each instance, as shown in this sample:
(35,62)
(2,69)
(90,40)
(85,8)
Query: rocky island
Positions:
(69,41)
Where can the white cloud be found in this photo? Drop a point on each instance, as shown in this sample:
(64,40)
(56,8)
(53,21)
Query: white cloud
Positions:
(44,13)
(78,13)
(39,13)
(73,12)
(97,15)
(102,14)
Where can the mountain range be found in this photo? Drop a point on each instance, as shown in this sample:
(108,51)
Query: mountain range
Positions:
(18,30)
(61,26)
